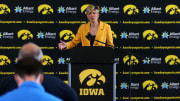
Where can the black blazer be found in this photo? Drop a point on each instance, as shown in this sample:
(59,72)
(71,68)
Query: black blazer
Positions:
(51,84)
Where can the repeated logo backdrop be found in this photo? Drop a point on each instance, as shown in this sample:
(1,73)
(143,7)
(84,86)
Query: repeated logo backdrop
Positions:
(146,35)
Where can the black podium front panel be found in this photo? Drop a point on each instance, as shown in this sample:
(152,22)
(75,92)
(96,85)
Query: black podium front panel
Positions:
(92,82)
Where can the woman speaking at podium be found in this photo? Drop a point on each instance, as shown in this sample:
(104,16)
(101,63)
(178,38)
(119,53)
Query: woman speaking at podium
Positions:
(93,33)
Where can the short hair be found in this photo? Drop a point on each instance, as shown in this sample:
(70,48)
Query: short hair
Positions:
(92,7)
(34,52)
(28,66)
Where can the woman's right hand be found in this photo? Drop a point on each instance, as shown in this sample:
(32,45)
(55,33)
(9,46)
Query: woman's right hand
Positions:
(62,45)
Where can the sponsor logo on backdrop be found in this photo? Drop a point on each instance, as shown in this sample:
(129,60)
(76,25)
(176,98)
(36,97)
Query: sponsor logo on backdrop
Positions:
(47,60)
(134,86)
(150,35)
(152,10)
(124,85)
(165,35)
(24,9)
(46,35)
(62,9)
(129,35)
(130,60)
(172,9)
(4,60)
(172,60)
(6,35)
(66,35)
(40,35)
(1,35)
(146,61)
(149,85)
(170,35)
(45,9)
(92,78)
(152,60)
(16,60)
(111,10)
(83,8)
(164,85)
(124,35)
(174,85)
(4,9)
(170,85)
(62,60)
(114,35)
(130,9)
(24,34)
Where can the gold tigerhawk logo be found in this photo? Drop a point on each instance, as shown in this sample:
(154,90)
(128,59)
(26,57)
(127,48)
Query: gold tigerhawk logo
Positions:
(149,85)
(172,9)
(130,9)
(91,77)
(45,9)
(67,35)
(83,8)
(24,34)
(150,35)
(4,60)
(114,35)
(4,9)
(130,61)
(172,60)
(47,60)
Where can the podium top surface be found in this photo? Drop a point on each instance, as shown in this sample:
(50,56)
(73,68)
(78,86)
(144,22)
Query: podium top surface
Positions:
(92,55)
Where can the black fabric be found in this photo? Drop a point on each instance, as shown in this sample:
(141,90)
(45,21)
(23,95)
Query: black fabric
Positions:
(51,84)
(92,39)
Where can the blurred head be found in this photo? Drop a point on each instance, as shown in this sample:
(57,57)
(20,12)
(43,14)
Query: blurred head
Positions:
(93,13)
(30,50)
(28,69)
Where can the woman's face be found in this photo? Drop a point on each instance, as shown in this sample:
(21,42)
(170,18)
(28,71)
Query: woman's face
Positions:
(93,16)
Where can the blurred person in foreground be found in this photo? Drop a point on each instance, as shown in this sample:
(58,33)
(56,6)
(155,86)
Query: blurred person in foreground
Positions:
(95,29)
(28,76)
(51,84)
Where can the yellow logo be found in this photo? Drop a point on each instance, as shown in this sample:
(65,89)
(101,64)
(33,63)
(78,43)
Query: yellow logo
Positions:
(24,34)
(67,35)
(66,82)
(45,9)
(47,60)
(91,77)
(83,8)
(149,85)
(130,9)
(172,9)
(150,35)
(114,35)
(130,60)
(4,60)
(4,9)
(172,60)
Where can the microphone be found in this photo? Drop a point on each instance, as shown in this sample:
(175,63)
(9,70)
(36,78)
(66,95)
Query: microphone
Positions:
(90,38)
(105,43)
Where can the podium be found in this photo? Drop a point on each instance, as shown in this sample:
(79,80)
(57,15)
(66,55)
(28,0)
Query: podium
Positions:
(92,73)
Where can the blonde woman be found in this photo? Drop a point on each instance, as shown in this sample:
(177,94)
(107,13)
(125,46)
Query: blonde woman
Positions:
(99,31)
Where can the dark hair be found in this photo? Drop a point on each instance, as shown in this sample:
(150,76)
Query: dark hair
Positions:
(28,66)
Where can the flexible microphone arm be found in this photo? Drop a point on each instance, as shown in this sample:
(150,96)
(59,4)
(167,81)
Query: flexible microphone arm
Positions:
(89,37)
(104,43)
